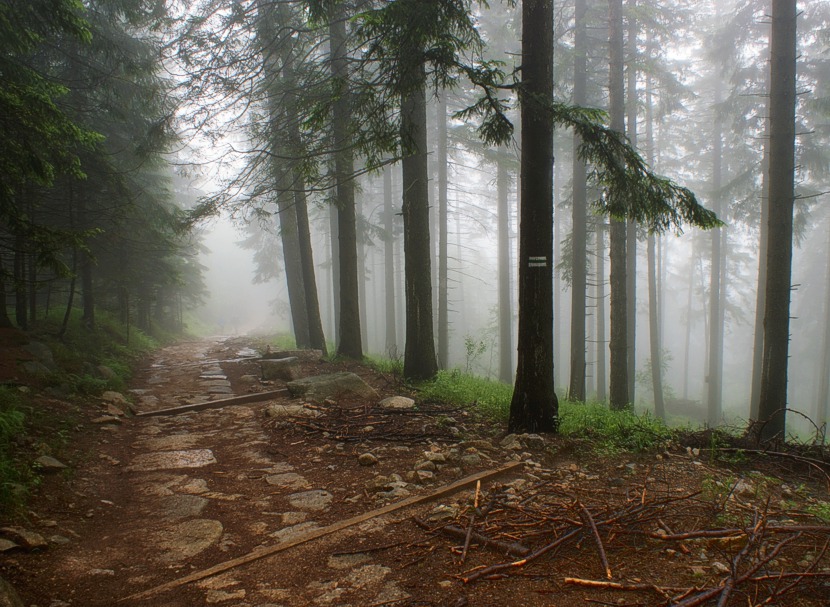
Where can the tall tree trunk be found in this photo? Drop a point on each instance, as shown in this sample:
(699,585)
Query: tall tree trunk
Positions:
(334,244)
(505,295)
(655,297)
(350,344)
(619,391)
(419,358)
(714,376)
(443,295)
(783,44)
(822,415)
(654,332)
(687,343)
(534,407)
(389,263)
(579,254)
(362,278)
(602,366)
(316,337)
(761,291)
(630,226)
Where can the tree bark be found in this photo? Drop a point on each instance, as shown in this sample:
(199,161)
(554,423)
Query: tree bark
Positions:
(654,332)
(619,391)
(419,358)
(630,226)
(443,291)
(714,376)
(579,254)
(316,337)
(602,366)
(389,264)
(505,295)
(534,407)
(350,344)
(761,292)
(783,45)
(822,415)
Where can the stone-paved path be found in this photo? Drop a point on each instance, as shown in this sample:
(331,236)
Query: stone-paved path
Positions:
(172,494)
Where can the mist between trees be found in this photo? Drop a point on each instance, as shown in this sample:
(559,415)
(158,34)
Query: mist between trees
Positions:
(390,168)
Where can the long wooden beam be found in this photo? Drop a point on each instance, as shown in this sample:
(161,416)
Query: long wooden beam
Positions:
(260,553)
(216,404)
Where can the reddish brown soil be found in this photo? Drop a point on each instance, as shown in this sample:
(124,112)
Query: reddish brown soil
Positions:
(117,519)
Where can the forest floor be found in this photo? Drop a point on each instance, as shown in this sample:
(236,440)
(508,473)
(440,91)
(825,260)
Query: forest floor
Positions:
(348,504)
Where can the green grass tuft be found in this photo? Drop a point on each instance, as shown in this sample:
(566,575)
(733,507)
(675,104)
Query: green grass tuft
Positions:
(612,431)
(389,366)
(490,397)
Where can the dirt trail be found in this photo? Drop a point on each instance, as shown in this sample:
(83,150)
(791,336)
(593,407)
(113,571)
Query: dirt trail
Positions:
(160,497)
(151,501)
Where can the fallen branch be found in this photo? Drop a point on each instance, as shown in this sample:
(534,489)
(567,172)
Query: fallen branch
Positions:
(260,553)
(215,404)
(454,531)
(588,520)
(603,585)
(486,571)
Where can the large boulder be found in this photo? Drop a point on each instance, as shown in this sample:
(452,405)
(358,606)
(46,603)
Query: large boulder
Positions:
(279,368)
(335,385)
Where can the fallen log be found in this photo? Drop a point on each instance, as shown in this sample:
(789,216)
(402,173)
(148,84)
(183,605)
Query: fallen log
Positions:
(263,552)
(216,404)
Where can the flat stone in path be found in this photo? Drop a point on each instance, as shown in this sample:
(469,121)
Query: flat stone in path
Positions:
(316,499)
(182,506)
(188,539)
(288,480)
(165,460)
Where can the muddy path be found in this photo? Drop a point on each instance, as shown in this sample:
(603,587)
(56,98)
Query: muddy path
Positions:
(153,499)
(286,502)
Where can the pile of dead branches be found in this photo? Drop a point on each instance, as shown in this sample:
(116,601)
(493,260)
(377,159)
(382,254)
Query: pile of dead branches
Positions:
(761,556)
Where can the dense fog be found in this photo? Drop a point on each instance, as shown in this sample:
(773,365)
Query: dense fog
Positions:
(258,154)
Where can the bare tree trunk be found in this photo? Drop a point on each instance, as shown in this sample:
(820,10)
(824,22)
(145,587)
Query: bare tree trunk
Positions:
(534,407)
(419,357)
(822,415)
(688,341)
(655,298)
(714,376)
(443,292)
(289,234)
(505,295)
(389,264)
(602,366)
(350,344)
(761,292)
(783,45)
(579,255)
(334,249)
(362,278)
(630,226)
(316,337)
(619,390)
(654,332)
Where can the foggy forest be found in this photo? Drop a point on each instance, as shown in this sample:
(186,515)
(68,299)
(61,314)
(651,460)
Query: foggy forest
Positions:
(615,201)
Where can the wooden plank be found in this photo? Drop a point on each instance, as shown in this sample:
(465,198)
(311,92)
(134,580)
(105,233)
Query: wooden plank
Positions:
(216,404)
(260,553)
